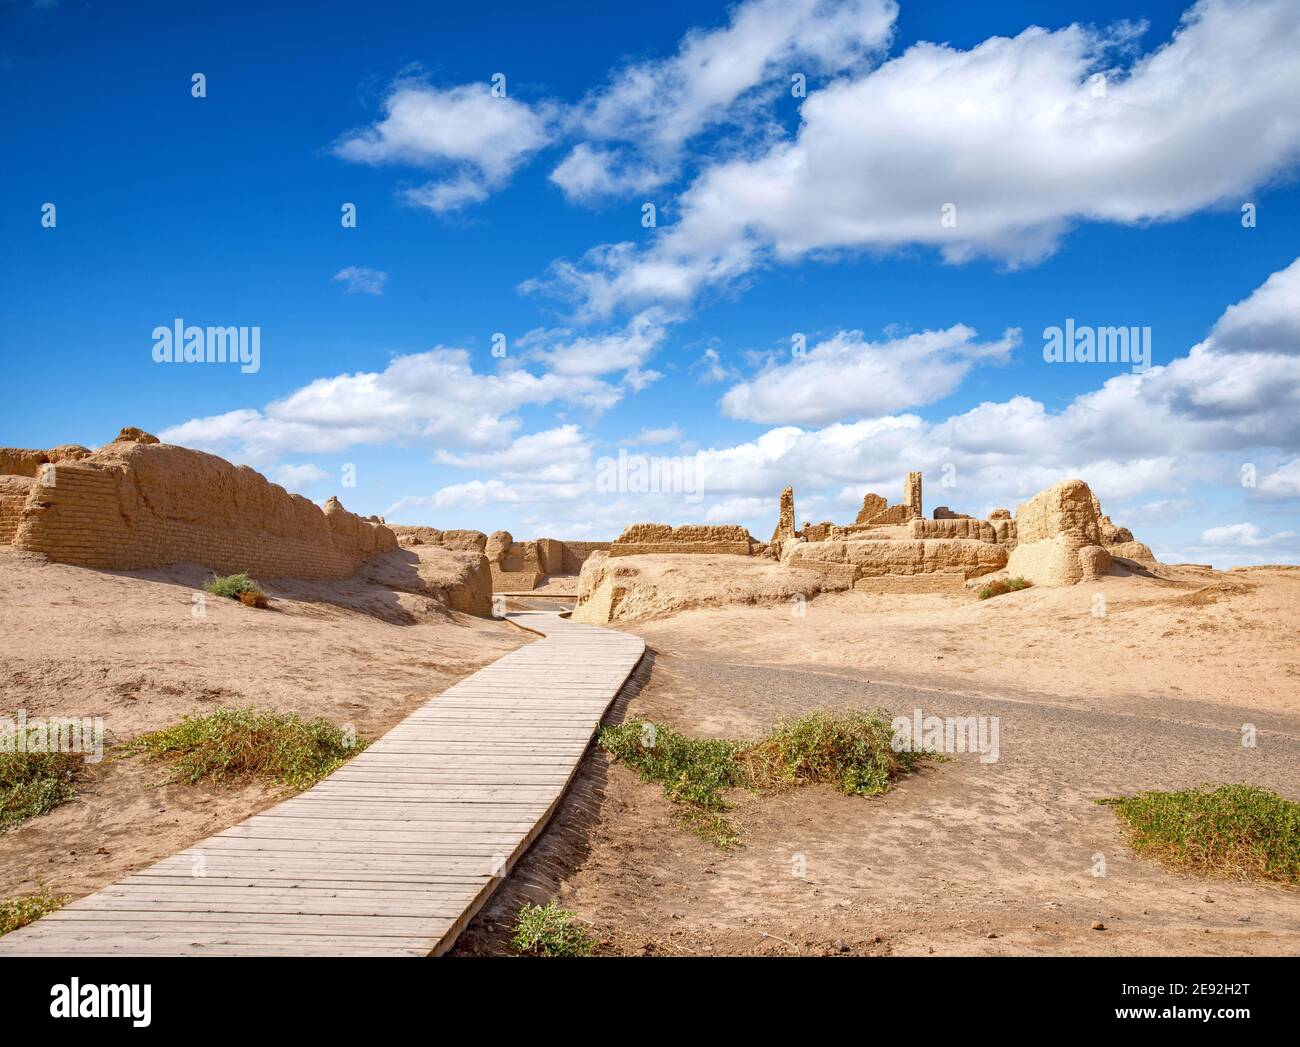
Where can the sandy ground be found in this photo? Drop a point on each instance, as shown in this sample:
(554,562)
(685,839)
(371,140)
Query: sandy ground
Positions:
(129,647)
(966,857)
(1229,638)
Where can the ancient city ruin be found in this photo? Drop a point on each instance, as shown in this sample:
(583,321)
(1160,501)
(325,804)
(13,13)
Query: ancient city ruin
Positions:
(137,503)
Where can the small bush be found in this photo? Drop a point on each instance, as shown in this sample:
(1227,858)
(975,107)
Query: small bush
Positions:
(19,912)
(253,598)
(234,744)
(36,783)
(692,771)
(232,586)
(851,751)
(1232,830)
(547,930)
(1001,586)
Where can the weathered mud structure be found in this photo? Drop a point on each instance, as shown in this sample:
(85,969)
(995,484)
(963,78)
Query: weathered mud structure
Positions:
(137,503)
(514,566)
(1058,537)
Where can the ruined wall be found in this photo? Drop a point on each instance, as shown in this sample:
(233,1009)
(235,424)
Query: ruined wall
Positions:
(912,494)
(647,538)
(462,541)
(514,566)
(136,503)
(578,553)
(1059,537)
(785,522)
(954,527)
(14,491)
(956,556)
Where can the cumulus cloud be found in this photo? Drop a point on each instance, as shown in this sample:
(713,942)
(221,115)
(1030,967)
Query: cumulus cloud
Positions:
(669,434)
(845,375)
(566,353)
(435,398)
(636,126)
(1014,133)
(560,455)
(1247,535)
(357,279)
(475,139)
(1284,482)
(297,477)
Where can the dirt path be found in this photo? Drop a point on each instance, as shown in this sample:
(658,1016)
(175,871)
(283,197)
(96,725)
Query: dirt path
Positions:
(964,858)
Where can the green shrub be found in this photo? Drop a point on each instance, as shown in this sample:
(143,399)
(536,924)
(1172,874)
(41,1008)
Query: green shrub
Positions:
(234,744)
(35,783)
(852,751)
(548,930)
(1001,586)
(1232,830)
(231,586)
(19,912)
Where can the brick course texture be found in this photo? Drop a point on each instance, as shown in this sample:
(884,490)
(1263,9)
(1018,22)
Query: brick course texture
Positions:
(132,505)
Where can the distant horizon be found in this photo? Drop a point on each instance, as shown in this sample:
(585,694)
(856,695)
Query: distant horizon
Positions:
(486,263)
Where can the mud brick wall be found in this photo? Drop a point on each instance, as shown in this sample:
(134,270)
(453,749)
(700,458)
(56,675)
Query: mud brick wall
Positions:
(13,496)
(135,505)
(955,527)
(642,539)
(577,553)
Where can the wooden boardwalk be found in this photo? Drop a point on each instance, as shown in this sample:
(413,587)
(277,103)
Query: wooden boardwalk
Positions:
(393,853)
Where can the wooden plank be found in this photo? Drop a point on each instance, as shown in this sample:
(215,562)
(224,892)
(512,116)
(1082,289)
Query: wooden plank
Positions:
(394,852)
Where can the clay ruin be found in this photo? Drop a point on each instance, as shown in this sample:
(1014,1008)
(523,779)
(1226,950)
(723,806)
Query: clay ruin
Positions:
(1058,537)
(137,503)
(514,566)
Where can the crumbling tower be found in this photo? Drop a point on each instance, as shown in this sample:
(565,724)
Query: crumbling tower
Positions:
(912,496)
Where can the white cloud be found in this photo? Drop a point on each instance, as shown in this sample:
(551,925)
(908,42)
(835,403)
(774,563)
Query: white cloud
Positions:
(560,455)
(1284,482)
(479,140)
(845,375)
(357,279)
(434,397)
(1011,132)
(669,434)
(1247,535)
(648,111)
(626,350)
(297,477)
(710,367)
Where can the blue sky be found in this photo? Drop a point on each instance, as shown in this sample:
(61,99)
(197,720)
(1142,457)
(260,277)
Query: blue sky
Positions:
(1114,204)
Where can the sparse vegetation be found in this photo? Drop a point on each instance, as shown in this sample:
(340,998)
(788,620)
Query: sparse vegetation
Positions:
(33,783)
(237,587)
(234,744)
(852,751)
(548,930)
(1231,830)
(1001,586)
(693,771)
(19,912)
